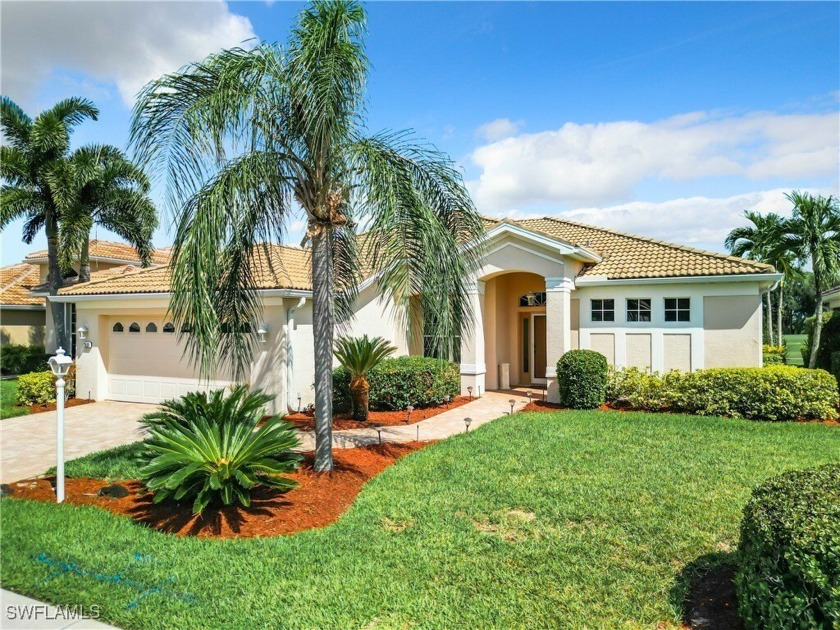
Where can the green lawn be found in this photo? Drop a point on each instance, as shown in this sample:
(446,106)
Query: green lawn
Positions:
(8,398)
(794,344)
(571,519)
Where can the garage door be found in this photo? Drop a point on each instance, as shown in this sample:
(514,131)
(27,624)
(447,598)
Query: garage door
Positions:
(146,362)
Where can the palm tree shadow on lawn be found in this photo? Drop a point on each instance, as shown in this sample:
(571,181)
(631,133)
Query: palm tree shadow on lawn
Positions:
(705,594)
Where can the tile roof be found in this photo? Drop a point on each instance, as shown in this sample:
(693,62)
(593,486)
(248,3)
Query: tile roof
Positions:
(113,251)
(15,283)
(625,256)
(275,267)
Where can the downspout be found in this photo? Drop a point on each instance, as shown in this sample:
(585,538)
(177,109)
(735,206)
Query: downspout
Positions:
(290,324)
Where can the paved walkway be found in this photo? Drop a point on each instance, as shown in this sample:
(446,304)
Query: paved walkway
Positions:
(490,406)
(26,613)
(27,443)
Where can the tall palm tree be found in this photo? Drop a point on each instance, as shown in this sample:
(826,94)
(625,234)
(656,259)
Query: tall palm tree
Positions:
(247,139)
(99,185)
(33,150)
(814,237)
(760,242)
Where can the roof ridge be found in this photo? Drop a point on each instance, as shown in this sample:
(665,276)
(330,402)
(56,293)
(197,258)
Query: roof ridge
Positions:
(647,239)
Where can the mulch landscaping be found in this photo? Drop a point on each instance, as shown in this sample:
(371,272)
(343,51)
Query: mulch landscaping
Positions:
(70,402)
(305,420)
(319,499)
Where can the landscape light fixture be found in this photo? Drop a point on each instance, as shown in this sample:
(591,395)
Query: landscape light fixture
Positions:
(60,366)
(379,432)
(467,423)
(446,400)
(469,390)
(529,396)
(298,402)
(512,403)
(409,409)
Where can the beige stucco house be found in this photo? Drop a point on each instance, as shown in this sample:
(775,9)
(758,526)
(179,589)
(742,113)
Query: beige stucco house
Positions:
(545,286)
(831,299)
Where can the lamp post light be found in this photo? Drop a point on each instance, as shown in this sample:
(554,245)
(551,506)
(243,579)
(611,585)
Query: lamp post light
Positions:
(467,423)
(409,409)
(446,400)
(379,433)
(512,403)
(60,366)
(298,402)
(529,396)
(469,390)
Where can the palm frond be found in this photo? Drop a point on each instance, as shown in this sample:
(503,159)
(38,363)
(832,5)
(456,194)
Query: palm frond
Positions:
(17,126)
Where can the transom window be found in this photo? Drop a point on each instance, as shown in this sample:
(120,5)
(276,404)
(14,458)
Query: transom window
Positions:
(677,309)
(151,327)
(118,327)
(638,310)
(135,327)
(603,310)
(533,299)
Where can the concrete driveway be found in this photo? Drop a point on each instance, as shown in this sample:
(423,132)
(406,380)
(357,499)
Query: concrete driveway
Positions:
(27,443)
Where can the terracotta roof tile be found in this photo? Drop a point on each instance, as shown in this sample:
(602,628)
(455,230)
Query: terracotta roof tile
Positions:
(113,251)
(16,282)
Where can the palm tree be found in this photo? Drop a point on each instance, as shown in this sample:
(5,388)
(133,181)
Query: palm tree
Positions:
(760,242)
(814,237)
(360,355)
(98,184)
(33,150)
(248,138)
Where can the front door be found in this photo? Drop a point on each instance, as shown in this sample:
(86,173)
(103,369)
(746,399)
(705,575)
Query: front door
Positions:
(538,352)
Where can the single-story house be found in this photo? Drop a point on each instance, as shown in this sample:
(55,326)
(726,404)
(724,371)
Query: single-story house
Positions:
(545,286)
(831,299)
(23,317)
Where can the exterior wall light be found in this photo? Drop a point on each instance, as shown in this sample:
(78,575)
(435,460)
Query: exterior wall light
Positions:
(82,331)
(262,331)
(531,298)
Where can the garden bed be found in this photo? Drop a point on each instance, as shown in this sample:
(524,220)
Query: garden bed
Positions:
(70,402)
(319,499)
(305,420)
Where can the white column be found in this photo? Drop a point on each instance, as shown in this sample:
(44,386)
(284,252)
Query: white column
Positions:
(558,328)
(473,368)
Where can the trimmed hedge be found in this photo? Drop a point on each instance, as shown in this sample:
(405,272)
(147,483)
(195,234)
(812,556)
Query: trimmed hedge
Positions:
(39,387)
(16,359)
(789,574)
(582,379)
(772,393)
(774,355)
(402,381)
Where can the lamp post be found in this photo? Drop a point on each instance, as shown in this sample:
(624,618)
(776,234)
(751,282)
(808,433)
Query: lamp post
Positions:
(409,409)
(469,389)
(512,403)
(467,423)
(60,366)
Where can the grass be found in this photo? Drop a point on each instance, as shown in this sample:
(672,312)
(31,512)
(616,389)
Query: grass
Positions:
(570,519)
(794,344)
(8,400)
(120,462)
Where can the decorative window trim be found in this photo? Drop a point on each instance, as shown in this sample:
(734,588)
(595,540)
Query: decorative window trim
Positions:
(639,310)
(602,310)
(677,309)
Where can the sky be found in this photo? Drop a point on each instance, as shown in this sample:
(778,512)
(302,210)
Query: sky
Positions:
(661,119)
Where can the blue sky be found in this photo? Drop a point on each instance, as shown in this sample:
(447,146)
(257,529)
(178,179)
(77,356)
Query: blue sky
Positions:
(663,119)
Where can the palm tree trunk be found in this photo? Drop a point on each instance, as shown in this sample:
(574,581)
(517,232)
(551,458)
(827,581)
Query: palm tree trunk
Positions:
(779,308)
(84,262)
(360,396)
(769,319)
(54,280)
(323,317)
(815,338)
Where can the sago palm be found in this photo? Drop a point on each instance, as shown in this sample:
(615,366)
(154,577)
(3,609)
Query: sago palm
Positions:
(99,185)
(247,139)
(33,150)
(814,237)
(360,355)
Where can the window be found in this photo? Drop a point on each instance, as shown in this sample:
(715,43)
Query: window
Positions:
(638,310)
(118,327)
(533,299)
(228,328)
(603,310)
(151,327)
(135,327)
(677,309)
(169,327)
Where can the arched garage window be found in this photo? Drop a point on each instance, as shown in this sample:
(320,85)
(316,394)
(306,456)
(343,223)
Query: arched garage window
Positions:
(135,327)
(169,327)
(118,327)
(151,327)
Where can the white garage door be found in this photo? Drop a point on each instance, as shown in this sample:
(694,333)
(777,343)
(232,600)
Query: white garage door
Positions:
(146,362)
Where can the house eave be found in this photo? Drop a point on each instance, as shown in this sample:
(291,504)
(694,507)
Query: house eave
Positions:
(93,297)
(763,279)
(23,307)
(564,249)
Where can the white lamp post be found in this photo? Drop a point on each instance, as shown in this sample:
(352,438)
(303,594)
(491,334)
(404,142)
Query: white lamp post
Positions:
(60,366)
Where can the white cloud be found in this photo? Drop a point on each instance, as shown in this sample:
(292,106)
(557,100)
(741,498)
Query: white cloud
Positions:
(498,129)
(700,222)
(602,163)
(121,43)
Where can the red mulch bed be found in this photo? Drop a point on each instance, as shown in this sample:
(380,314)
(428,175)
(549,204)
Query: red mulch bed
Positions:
(305,420)
(319,499)
(71,402)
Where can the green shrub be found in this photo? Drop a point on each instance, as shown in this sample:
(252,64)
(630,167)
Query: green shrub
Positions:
(636,388)
(582,379)
(402,381)
(36,388)
(789,573)
(15,359)
(198,451)
(774,355)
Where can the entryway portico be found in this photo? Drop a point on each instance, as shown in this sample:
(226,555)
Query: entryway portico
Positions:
(521,309)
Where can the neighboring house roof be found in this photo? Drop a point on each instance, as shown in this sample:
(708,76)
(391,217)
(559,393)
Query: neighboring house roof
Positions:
(275,267)
(616,256)
(16,281)
(625,256)
(111,251)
